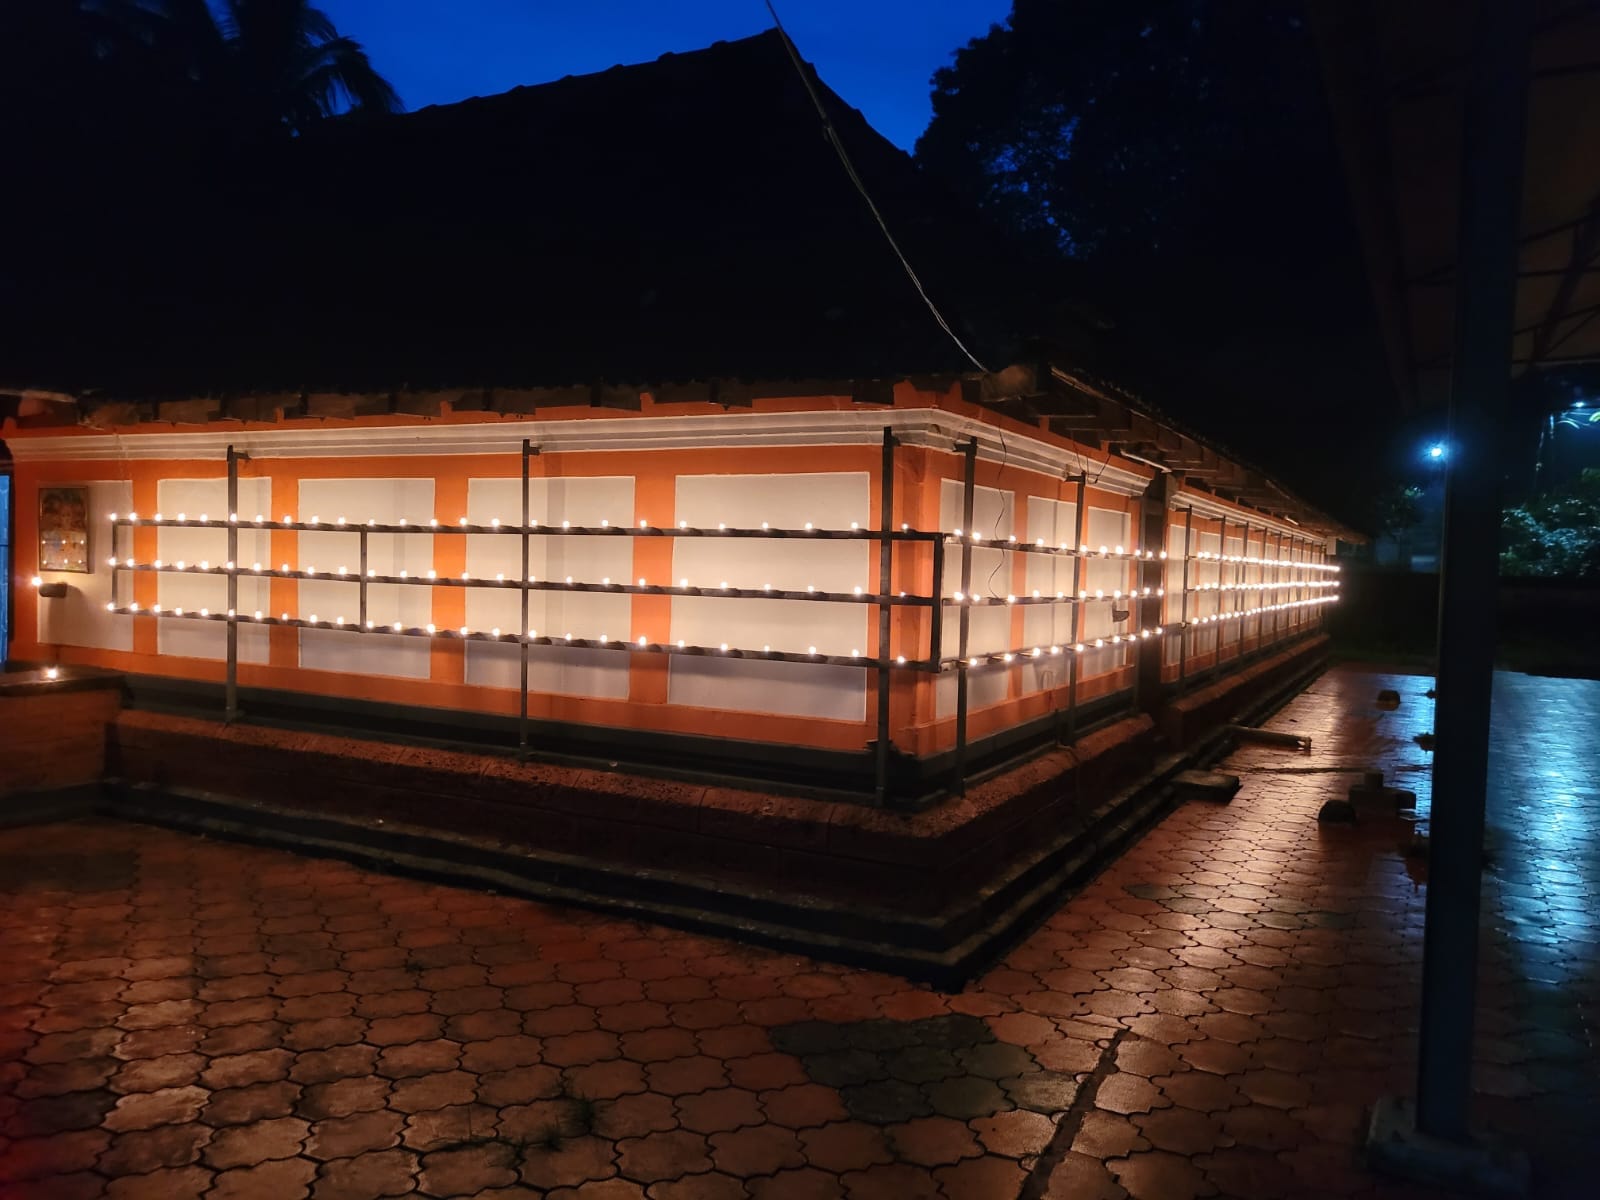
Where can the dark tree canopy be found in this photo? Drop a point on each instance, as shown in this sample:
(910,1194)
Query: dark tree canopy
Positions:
(1118,126)
(1182,152)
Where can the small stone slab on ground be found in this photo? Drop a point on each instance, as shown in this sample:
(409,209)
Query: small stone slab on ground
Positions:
(1214,786)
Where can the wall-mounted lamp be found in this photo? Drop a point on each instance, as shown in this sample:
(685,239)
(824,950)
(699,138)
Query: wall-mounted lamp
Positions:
(56,590)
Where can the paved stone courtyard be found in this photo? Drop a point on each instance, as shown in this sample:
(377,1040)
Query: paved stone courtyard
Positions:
(183,1018)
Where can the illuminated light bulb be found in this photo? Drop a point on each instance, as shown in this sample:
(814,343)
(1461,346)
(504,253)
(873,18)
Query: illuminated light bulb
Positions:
(1099,594)
(1119,550)
(957,533)
(1062,547)
(155,608)
(641,581)
(680,643)
(1099,641)
(1007,657)
(1061,595)
(958,597)
(858,589)
(683,583)
(766,587)
(287,519)
(1011,599)
(1163,554)
(371,574)
(500,577)
(495,523)
(158,564)
(311,571)
(1038,541)
(533,579)
(339,621)
(184,517)
(811,587)
(721,526)
(313,616)
(133,516)
(429,627)
(340,521)
(811,650)
(1055,649)
(403,522)
(855,525)
(52,672)
(900,659)
(433,522)
(724,585)
(1083,548)
(1116,595)
(644,524)
(113,516)
(569,578)
(642,641)
(258,614)
(463,631)
(569,637)
(566,524)
(110,607)
(179,564)
(157,517)
(495,632)
(977,537)
(1082,594)
(343,572)
(133,608)
(764,525)
(1036,593)
(464,575)
(808,524)
(533,633)
(905,527)
(433,574)
(372,522)
(1012,538)
(463,522)
(683,524)
(724,647)
(1079,647)
(397,627)
(972,662)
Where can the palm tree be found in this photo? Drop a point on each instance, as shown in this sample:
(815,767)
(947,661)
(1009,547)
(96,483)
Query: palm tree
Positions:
(247,67)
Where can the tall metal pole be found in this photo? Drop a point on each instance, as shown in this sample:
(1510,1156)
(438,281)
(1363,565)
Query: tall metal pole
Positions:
(968,495)
(522,630)
(1183,618)
(231,699)
(1486,280)
(885,582)
(1079,518)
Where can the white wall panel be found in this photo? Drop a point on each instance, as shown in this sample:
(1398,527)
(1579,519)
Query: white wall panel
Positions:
(993,515)
(587,501)
(829,501)
(1046,625)
(194,497)
(80,617)
(1104,527)
(386,501)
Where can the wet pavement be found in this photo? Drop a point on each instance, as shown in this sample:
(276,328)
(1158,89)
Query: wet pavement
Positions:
(1210,1017)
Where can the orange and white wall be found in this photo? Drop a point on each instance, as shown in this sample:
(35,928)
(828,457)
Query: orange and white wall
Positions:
(786,462)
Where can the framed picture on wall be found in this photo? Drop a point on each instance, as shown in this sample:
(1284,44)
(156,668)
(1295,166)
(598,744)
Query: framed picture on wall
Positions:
(64,529)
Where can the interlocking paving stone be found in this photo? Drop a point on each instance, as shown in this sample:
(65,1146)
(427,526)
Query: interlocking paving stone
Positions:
(1222,1004)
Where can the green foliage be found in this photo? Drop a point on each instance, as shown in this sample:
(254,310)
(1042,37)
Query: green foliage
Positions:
(1397,509)
(1555,535)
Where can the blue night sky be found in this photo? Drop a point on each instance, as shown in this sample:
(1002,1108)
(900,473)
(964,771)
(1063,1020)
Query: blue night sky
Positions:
(878,54)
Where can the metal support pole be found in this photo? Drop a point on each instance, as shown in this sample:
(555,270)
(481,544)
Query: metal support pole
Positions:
(1183,616)
(1079,520)
(885,582)
(231,701)
(522,630)
(1491,189)
(936,610)
(361,582)
(968,495)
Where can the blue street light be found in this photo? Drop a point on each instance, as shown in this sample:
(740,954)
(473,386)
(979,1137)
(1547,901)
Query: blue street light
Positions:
(1436,451)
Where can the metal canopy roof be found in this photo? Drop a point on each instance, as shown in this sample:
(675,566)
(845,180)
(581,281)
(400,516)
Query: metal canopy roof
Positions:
(1395,74)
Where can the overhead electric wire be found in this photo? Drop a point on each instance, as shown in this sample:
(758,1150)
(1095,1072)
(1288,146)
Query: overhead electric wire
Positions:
(850,170)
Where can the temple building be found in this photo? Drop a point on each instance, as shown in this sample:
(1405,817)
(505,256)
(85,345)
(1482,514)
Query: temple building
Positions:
(633,533)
